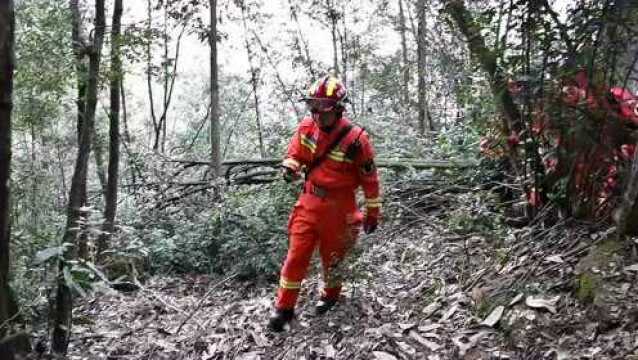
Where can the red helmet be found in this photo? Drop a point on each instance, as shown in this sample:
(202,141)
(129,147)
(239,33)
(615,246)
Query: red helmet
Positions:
(326,94)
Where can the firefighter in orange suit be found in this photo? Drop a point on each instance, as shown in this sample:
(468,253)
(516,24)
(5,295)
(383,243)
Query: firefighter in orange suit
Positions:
(336,157)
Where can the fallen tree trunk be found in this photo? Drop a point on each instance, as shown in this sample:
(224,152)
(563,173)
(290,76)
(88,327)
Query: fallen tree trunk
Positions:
(381,162)
(627,212)
(180,185)
(250,171)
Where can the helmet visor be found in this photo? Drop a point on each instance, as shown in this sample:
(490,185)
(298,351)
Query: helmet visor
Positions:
(321,105)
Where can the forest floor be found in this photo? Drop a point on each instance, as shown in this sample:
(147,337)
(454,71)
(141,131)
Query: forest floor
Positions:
(418,290)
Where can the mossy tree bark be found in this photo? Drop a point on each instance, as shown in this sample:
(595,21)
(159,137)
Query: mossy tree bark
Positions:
(64,299)
(110,207)
(7,36)
(215,160)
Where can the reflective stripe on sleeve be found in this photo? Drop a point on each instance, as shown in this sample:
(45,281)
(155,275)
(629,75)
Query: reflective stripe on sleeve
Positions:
(307,142)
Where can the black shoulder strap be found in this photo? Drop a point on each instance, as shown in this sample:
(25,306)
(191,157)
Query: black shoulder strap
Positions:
(353,148)
(318,160)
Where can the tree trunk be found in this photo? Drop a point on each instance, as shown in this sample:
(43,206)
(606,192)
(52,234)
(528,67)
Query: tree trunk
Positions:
(169,85)
(301,45)
(164,117)
(343,39)
(332,16)
(34,222)
(149,75)
(254,80)
(110,205)
(7,31)
(626,215)
(98,155)
(413,28)
(215,160)
(627,62)
(425,123)
(487,59)
(63,193)
(363,77)
(64,299)
(628,202)
(404,52)
(127,134)
(80,53)
(355,50)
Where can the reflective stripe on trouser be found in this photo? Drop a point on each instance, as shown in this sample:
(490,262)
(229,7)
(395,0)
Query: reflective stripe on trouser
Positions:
(332,231)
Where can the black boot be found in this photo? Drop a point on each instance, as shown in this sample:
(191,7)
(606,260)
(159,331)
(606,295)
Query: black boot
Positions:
(280,318)
(323,305)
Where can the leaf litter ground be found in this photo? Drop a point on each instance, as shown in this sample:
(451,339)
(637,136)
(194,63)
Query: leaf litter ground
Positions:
(419,289)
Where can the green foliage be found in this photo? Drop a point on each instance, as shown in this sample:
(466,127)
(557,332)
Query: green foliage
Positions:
(558,193)
(42,79)
(181,246)
(586,287)
(483,307)
(42,27)
(502,256)
(429,294)
(36,249)
(457,143)
(600,259)
(477,216)
(55,252)
(260,241)
(465,223)
(385,85)
(244,234)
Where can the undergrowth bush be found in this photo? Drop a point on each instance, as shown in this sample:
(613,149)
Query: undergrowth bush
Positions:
(245,233)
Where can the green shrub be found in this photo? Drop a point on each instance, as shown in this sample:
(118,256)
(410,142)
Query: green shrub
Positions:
(245,233)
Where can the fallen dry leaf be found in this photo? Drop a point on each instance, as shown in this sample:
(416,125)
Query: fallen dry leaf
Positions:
(409,350)
(633,267)
(431,335)
(448,314)
(426,328)
(494,317)
(465,346)
(516,299)
(540,303)
(253,355)
(405,327)
(431,308)
(555,259)
(382,355)
(427,343)
(330,351)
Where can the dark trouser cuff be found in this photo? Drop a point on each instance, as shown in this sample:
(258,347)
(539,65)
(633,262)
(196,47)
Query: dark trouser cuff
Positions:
(286,298)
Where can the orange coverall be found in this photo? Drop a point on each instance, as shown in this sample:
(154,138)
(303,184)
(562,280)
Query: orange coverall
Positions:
(326,214)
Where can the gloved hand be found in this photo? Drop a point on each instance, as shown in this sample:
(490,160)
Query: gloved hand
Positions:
(371,220)
(289,174)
